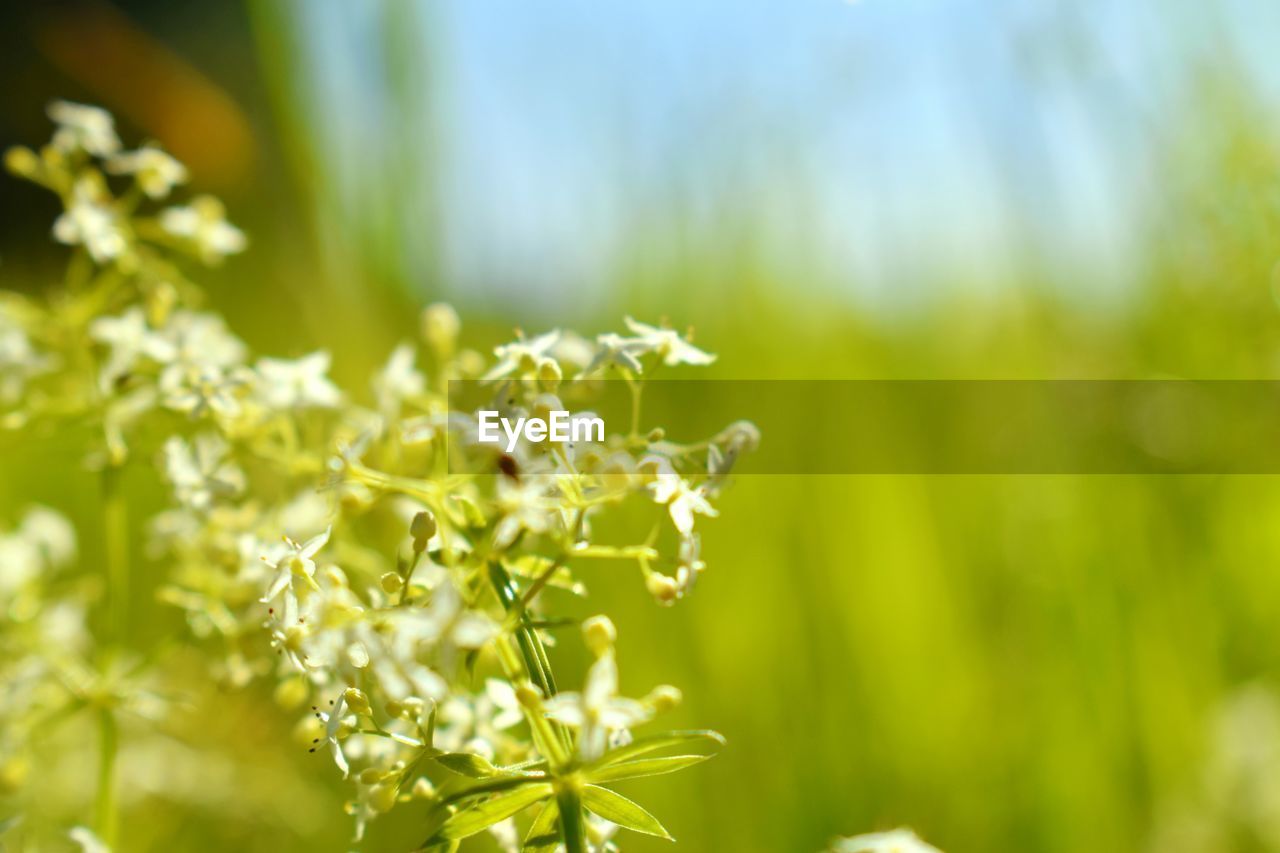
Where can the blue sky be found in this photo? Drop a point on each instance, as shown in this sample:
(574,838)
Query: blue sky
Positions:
(891,144)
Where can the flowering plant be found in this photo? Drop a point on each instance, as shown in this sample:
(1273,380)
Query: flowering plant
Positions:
(328,544)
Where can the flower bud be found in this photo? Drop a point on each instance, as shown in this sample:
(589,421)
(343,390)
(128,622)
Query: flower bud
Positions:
(549,374)
(663,588)
(13,774)
(355,497)
(740,435)
(308,731)
(440,327)
(471,363)
(528,696)
(599,634)
(357,701)
(617,472)
(422,528)
(372,775)
(545,404)
(664,697)
(161,300)
(391,583)
(423,789)
(382,798)
(291,692)
(22,162)
(479,746)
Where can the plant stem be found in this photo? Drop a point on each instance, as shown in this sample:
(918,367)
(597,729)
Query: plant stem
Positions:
(106,810)
(571,828)
(408,577)
(116,546)
(115,524)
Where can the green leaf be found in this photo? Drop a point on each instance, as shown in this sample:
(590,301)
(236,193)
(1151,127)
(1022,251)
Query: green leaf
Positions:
(542,836)
(469,764)
(486,787)
(704,738)
(486,814)
(614,807)
(645,767)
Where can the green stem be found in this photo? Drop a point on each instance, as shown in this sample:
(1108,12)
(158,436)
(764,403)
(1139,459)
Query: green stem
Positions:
(571,828)
(107,808)
(408,577)
(116,547)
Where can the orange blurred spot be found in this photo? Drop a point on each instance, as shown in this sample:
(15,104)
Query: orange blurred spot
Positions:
(136,76)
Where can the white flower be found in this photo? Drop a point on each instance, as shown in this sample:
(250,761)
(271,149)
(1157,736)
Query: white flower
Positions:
(522,357)
(88,841)
(506,835)
(21,561)
(50,533)
(667,344)
(289,641)
(525,505)
(689,563)
(200,473)
(398,381)
(297,384)
(334,732)
(156,171)
(19,360)
(196,389)
(129,338)
(204,223)
(681,499)
(91,221)
(598,709)
(448,621)
(295,564)
(203,338)
(612,348)
(44,540)
(501,698)
(894,841)
(599,831)
(83,128)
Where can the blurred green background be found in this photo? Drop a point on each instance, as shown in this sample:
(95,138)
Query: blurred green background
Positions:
(882,189)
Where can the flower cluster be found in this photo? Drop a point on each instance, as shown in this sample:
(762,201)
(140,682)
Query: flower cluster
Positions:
(321,538)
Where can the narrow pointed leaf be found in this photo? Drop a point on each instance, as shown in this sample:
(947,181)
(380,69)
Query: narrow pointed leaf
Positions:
(614,807)
(645,767)
(485,787)
(469,764)
(704,738)
(542,836)
(486,814)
